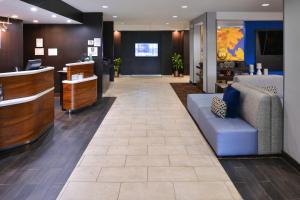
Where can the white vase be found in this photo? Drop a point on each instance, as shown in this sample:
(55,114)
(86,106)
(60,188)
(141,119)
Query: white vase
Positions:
(251,70)
(259,68)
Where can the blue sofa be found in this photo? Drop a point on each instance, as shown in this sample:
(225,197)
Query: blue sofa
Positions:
(228,137)
(258,131)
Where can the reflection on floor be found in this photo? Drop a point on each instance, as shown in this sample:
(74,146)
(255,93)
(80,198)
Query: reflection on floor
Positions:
(148,148)
(39,171)
(256,178)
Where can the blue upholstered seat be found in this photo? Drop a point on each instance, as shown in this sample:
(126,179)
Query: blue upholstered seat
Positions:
(228,137)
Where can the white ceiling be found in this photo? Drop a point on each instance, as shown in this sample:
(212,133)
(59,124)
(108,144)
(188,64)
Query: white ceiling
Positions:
(160,12)
(141,14)
(17,7)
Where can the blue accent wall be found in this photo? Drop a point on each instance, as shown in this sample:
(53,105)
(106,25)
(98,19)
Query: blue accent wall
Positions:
(250,36)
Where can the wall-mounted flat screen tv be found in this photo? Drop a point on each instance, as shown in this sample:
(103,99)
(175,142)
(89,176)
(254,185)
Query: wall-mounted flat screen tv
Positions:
(270,42)
(146,49)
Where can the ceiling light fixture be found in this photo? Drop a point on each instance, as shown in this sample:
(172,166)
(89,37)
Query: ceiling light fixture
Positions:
(69,21)
(115,16)
(35,21)
(175,16)
(15,16)
(104,6)
(265,4)
(53,16)
(33,9)
(184,6)
(167,23)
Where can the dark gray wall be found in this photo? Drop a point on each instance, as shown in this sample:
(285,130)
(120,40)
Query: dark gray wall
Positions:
(145,65)
(292,80)
(71,42)
(169,42)
(11,47)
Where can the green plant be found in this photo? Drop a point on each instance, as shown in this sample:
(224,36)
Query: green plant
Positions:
(117,64)
(177,62)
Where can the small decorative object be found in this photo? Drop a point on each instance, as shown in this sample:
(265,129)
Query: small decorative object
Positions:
(90,42)
(271,88)
(251,69)
(117,64)
(259,68)
(90,57)
(221,65)
(266,71)
(177,64)
(93,51)
(97,42)
(52,52)
(39,42)
(219,107)
(231,65)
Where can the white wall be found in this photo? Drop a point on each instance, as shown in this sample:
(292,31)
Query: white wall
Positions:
(292,79)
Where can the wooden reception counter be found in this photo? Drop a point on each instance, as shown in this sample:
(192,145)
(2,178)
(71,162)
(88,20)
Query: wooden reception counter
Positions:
(79,92)
(27,108)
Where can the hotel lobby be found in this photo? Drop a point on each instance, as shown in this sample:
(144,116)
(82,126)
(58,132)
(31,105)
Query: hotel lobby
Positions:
(149,100)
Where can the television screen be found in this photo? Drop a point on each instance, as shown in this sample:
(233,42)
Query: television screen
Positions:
(146,49)
(270,42)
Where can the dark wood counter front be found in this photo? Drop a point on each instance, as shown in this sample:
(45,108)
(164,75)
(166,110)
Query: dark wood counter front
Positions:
(79,94)
(26,113)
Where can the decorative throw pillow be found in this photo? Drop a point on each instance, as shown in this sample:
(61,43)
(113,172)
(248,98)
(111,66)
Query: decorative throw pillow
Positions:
(272,89)
(232,100)
(218,107)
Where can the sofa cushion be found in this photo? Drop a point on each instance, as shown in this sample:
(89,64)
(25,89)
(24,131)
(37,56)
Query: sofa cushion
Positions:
(232,99)
(219,107)
(231,137)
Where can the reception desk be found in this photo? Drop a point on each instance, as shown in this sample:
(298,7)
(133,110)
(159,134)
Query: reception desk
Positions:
(27,108)
(79,92)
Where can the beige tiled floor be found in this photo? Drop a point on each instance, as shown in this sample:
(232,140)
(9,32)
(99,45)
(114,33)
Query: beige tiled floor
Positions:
(148,148)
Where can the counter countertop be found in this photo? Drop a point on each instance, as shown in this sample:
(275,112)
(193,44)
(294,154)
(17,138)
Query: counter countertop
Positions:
(23,73)
(80,63)
(81,80)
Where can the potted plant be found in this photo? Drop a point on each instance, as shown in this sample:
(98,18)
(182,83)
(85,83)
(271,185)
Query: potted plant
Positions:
(177,64)
(117,64)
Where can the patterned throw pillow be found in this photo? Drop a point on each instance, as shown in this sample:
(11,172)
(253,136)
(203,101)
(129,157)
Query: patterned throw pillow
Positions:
(219,107)
(272,89)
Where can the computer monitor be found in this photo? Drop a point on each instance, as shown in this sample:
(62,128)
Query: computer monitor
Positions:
(34,64)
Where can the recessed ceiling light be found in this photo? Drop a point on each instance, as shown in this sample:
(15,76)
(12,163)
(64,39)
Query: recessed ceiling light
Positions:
(104,6)
(33,9)
(265,4)
(35,21)
(115,16)
(69,21)
(175,16)
(167,23)
(53,16)
(184,6)
(15,16)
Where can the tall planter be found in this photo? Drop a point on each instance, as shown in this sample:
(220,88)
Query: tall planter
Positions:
(117,64)
(177,64)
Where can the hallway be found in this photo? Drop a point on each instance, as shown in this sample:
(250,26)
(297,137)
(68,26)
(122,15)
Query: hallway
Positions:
(149,148)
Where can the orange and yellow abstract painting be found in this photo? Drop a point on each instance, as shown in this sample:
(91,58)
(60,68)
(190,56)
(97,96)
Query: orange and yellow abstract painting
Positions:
(230,44)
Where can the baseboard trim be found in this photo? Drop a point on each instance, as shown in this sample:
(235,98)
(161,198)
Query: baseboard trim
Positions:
(291,160)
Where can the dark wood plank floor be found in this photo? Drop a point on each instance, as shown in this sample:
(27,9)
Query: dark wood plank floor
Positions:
(261,178)
(39,171)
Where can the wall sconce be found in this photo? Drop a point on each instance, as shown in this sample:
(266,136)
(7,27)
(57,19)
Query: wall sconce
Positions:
(3,26)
